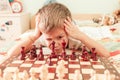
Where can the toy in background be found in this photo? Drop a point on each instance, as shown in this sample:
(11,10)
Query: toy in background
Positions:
(5,6)
(16,6)
(108,19)
(4,27)
(49,1)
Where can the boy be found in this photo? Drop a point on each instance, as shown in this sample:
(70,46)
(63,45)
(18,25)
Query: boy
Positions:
(54,23)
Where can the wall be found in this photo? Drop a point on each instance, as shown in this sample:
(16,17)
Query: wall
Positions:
(76,6)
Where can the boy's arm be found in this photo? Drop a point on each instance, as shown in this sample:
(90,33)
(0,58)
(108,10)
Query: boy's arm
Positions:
(25,41)
(73,31)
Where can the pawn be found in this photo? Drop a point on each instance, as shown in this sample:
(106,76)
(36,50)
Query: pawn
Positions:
(7,76)
(1,75)
(73,56)
(23,54)
(16,75)
(86,58)
(25,75)
(107,75)
(93,75)
(32,75)
(43,72)
(77,75)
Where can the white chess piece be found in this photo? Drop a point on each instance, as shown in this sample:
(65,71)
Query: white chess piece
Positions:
(60,70)
(107,75)
(93,75)
(32,74)
(77,75)
(43,72)
(1,75)
(25,75)
(7,76)
(16,75)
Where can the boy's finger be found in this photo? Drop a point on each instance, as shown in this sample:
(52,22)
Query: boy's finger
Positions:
(68,18)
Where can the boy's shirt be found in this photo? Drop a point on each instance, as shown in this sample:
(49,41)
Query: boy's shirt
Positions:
(71,43)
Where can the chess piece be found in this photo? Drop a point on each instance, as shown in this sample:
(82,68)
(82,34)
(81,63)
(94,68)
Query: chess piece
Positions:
(107,75)
(23,54)
(31,56)
(77,75)
(93,54)
(83,51)
(7,76)
(53,55)
(40,55)
(50,61)
(34,51)
(16,75)
(64,52)
(85,58)
(1,75)
(60,70)
(32,75)
(43,72)
(93,75)
(25,75)
(73,56)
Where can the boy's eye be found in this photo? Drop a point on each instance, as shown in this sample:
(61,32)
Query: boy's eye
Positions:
(60,37)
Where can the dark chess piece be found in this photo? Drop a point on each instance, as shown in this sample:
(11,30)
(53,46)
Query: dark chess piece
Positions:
(64,56)
(34,51)
(83,51)
(23,54)
(73,56)
(93,54)
(40,55)
(86,58)
(53,55)
(31,56)
(50,61)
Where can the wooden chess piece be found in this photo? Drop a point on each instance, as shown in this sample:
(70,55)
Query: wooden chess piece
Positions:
(23,55)
(40,55)
(53,55)
(73,56)
(64,56)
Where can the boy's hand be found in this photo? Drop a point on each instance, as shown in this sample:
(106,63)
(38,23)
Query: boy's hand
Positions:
(72,29)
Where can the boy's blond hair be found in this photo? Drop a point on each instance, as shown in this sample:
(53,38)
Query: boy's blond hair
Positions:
(53,15)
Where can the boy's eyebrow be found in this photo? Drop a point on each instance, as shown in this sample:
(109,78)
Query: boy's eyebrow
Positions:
(49,38)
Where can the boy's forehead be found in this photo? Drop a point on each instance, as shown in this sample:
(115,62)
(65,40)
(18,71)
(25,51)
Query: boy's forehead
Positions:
(55,32)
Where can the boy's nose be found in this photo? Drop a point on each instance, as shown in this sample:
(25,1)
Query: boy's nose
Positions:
(57,43)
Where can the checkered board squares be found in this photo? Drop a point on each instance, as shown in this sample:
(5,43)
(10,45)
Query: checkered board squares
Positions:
(85,67)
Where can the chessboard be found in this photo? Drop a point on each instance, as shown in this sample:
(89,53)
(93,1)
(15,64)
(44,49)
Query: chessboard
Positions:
(57,67)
